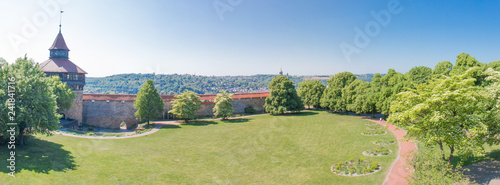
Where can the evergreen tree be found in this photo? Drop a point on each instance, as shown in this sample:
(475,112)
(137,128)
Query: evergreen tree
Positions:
(282,97)
(223,106)
(185,106)
(311,92)
(148,103)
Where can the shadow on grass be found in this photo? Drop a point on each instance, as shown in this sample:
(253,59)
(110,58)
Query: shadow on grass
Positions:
(307,113)
(493,155)
(200,123)
(239,120)
(39,156)
(170,127)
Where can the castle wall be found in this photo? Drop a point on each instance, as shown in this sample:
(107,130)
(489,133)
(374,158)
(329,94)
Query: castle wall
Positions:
(110,113)
(75,112)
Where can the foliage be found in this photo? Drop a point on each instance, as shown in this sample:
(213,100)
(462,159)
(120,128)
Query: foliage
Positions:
(375,126)
(449,112)
(250,110)
(176,83)
(430,169)
(35,104)
(442,69)
(332,97)
(419,75)
(377,151)
(223,106)
(373,132)
(282,97)
(310,92)
(185,106)
(385,142)
(148,103)
(353,167)
(64,95)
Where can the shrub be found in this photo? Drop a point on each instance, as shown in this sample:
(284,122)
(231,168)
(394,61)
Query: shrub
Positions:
(250,110)
(377,151)
(353,167)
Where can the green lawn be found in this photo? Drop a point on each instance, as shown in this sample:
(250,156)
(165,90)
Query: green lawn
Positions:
(291,149)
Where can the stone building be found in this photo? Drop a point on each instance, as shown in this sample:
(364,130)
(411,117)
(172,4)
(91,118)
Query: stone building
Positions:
(110,110)
(59,64)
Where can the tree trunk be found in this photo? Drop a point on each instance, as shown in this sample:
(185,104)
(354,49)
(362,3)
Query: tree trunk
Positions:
(21,137)
(148,123)
(452,149)
(442,150)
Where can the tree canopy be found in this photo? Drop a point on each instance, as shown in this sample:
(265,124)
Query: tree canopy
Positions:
(148,103)
(332,97)
(64,95)
(185,105)
(223,107)
(450,112)
(282,97)
(35,103)
(311,92)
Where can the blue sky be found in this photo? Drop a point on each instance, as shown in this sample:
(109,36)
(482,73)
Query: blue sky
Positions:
(254,37)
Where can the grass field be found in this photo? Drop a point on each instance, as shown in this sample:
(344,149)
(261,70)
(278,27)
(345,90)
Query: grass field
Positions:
(290,149)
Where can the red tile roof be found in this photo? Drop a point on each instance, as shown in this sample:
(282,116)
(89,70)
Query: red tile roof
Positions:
(61,66)
(131,97)
(59,43)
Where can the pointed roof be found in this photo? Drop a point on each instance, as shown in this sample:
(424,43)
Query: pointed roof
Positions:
(60,66)
(59,43)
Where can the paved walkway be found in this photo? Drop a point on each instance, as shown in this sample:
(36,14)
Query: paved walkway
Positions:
(159,124)
(399,169)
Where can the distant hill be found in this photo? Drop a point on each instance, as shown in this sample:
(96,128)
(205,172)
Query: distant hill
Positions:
(176,84)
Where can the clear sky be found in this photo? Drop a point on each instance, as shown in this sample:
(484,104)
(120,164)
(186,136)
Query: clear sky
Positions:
(246,37)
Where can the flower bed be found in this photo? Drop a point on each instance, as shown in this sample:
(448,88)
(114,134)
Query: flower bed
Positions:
(377,151)
(374,132)
(355,167)
(384,142)
(373,127)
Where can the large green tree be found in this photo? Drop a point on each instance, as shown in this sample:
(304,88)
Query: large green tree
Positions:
(494,65)
(332,97)
(442,69)
(35,104)
(64,95)
(390,85)
(185,105)
(450,112)
(223,107)
(148,103)
(282,97)
(419,75)
(311,92)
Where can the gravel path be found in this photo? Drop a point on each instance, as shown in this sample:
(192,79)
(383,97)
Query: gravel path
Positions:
(399,169)
(487,172)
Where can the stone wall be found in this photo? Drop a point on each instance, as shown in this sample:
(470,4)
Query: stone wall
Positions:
(75,112)
(110,113)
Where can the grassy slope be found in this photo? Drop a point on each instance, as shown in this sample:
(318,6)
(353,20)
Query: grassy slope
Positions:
(292,149)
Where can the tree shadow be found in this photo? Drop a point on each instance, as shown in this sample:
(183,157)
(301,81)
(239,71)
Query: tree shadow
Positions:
(200,123)
(170,127)
(306,113)
(39,156)
(493,155)
(238,120)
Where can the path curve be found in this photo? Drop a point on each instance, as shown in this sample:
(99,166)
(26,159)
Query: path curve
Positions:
(159,124)
(399,169)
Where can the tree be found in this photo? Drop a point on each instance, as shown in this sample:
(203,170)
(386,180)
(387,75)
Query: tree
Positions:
(351,93)
(223,106)
(332,97)
(390,85)
(450,112)
(494,65)
(35,104)
(311,92)
(64,95)
(419,75)
(442,68)
(148,103)
(282,97)
(185,105)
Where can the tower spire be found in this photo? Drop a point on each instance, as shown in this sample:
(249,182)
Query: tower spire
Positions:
(60,21)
